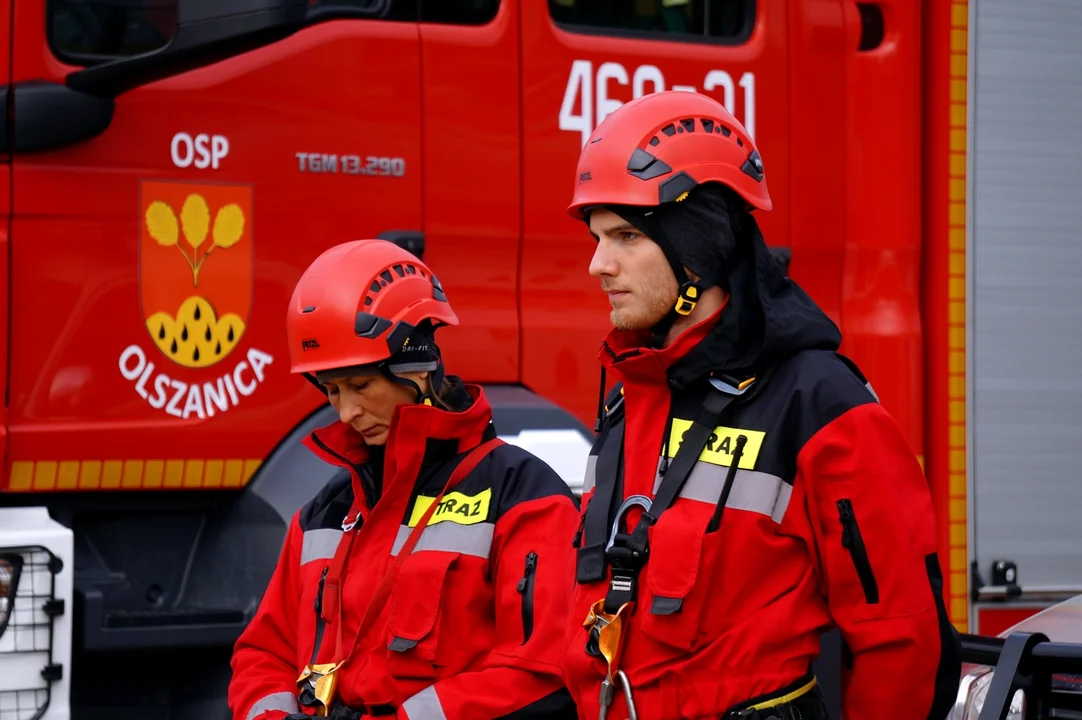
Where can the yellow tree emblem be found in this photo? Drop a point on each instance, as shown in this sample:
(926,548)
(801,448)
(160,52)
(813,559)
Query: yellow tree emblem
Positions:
(195,223)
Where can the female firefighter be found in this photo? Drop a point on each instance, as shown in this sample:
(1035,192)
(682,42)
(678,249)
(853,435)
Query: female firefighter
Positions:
(432,579)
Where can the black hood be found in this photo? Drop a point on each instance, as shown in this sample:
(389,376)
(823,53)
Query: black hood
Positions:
(767,318)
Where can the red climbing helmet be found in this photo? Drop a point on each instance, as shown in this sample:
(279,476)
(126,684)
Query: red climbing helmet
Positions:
(358,303)
(659,146)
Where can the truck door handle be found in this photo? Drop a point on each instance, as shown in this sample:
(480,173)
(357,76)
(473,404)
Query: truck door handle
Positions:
(412,241)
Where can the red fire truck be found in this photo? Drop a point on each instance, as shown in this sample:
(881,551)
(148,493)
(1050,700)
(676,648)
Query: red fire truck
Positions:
(169,167)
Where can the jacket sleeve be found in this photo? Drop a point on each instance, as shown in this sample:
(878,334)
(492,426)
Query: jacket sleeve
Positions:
(873,521)
(263,686)
(533,571)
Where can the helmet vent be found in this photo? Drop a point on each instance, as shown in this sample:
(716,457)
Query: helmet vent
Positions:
(669,130)
(708,125)
(655,141)
(305,311)
(401,272)
(689,124)
(386,275)
(370,326)
(645,166)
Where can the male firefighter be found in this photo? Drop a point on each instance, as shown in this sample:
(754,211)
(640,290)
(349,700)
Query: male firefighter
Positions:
(746,491)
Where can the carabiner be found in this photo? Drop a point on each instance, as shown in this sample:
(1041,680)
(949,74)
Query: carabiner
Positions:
(633,501)
(607,693)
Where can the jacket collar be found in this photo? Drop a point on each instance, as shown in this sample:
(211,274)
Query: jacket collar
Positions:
(628,353)
(412,429)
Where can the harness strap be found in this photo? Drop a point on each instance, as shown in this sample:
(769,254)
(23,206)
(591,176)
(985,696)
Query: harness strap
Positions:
(627,553)
(609,473)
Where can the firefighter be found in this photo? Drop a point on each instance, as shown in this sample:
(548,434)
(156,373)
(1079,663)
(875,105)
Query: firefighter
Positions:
(746,491)
(431,579)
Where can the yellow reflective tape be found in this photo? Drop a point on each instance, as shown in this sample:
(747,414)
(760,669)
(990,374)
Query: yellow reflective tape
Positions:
(958,534)
(153,473)
(454,507)
(720,445)
(212,474)
(960,609)
(133,474)
(110,473)
(128,474)
(22,475)
(45,475)
(68,478)
(90,475)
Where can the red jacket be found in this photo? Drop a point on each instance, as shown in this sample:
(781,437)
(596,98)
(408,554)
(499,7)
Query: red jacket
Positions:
(829,521)
(472,627)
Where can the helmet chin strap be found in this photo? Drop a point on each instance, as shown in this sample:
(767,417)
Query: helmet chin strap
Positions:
(689,293)
(420,397)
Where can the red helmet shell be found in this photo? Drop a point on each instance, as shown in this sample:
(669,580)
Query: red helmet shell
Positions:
(348,304)
(657,147)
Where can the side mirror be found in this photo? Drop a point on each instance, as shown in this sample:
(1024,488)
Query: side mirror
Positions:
(206,31)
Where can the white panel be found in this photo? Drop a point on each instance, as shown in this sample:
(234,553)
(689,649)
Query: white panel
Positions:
(1026,303)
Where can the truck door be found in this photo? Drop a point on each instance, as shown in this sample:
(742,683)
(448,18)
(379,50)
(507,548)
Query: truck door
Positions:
(581,60)
(157,237)
(470,80)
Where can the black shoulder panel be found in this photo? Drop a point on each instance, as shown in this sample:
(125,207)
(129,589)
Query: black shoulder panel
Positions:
(522,477)
(827,386)
(328,509)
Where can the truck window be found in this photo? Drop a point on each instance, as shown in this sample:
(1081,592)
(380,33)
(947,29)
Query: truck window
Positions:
(85,33)
(459,12)
(727,21)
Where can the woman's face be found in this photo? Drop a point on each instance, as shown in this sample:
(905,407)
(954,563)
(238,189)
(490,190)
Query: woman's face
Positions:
(366,402)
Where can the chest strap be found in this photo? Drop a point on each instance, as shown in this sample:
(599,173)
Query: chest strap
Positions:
(604,545)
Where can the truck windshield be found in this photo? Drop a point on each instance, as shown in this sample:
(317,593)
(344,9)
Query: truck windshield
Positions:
(87,32)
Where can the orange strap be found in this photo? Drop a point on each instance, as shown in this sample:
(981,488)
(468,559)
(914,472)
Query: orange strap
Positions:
(379,597)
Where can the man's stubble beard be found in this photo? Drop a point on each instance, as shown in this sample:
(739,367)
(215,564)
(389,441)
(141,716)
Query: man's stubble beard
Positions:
(657,300)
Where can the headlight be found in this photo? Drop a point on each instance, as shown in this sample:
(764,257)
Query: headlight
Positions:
(11,567)
(972,692)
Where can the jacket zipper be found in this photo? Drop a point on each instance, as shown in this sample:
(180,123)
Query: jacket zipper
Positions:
(525,588)
(577,541)
(854,543)
(319,616)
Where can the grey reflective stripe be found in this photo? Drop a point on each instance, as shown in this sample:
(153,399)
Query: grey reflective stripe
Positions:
(425,705)
(871,390)
(319,544)
(590,479)
(451,537)
(285,701)
(754,491)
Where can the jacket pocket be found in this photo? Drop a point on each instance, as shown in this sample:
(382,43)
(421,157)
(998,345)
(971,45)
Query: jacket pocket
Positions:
(415,609)
(853,542)
(525,589)
(670,604)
